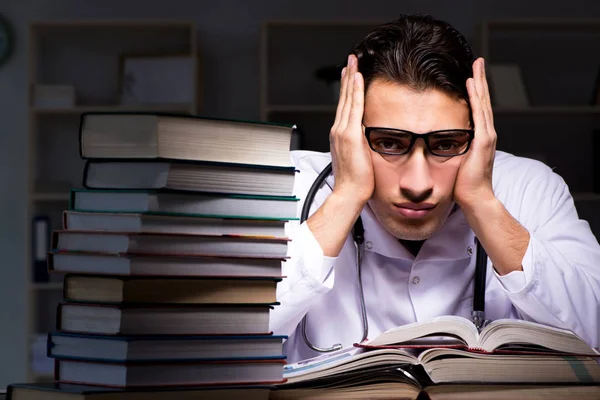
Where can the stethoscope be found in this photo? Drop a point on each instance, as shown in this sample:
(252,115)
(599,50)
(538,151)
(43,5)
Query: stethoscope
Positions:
(478,313)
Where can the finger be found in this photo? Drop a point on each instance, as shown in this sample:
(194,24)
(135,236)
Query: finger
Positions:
(341,99)
(478,78)
(484,82)
(358,98)
(487,100)
(477,107)
(349,93)
(479,81)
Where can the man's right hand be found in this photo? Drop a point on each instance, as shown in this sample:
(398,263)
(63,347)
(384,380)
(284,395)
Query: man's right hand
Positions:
(352,168)
(350,153)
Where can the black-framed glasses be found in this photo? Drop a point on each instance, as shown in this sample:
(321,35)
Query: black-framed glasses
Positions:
(443,143)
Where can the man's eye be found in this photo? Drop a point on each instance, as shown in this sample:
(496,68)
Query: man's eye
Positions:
(446,145)
(388,144)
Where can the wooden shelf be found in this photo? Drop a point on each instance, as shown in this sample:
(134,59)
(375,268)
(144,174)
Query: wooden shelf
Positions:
(327,23)
(114,108)
(112,23)
(548,110)
(586,196)
(307,108)
(327,108)
(47,286)
(539,23)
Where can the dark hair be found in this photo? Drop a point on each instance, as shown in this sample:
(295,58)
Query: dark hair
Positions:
(418,51)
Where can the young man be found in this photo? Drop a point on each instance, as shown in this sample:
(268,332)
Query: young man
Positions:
(414,155)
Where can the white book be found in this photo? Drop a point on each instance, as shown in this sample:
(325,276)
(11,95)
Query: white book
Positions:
(450,349)
(188,176)
(184,137)
(165,223)
(169,244)
(153,265)
(102,319)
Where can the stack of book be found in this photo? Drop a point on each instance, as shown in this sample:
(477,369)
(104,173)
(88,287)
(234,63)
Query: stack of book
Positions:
(448,358)
(171,255)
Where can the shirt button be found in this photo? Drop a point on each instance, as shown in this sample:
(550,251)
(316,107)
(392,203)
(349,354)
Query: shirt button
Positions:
(416,280)
(369,245)
(470,250)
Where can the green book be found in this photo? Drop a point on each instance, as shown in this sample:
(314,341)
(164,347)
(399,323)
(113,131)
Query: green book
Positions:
(177,203)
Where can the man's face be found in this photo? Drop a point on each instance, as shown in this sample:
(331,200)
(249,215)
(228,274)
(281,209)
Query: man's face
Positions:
(417,180)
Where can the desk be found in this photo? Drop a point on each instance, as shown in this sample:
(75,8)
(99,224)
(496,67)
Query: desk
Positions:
(449,392)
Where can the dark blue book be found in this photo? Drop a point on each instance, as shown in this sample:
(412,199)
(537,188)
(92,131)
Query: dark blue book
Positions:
(164,348)
(170,374)
(65,391)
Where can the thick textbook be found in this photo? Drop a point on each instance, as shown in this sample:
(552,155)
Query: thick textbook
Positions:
(184,203)
(445,365)
(154,265)
(449,349)
(65,391)
(385,387)
(500,336)
(169,244)
(190,176)
(105,135)
(160,374)
(169,290)
(167,223)
(167,348)
(164,319)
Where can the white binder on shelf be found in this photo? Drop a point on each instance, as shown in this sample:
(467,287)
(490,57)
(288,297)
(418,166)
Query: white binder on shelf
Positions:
(507,86)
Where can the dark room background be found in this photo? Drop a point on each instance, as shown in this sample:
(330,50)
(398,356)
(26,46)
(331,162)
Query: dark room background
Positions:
(559,66)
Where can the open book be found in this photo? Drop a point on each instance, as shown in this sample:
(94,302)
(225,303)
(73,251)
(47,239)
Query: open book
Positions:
(500,336)
(449,349)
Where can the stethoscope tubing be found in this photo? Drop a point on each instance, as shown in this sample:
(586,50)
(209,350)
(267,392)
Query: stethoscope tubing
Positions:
(478,313)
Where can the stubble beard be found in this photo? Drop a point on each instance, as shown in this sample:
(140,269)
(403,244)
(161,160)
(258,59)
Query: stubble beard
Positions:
(407,229)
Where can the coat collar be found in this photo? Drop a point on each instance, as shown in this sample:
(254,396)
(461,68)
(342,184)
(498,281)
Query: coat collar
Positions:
(453,241)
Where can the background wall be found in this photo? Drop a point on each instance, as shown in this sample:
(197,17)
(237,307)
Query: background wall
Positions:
(228,35)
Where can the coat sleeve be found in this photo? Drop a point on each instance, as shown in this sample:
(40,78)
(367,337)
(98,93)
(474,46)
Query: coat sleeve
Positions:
(308,273)
(560,281)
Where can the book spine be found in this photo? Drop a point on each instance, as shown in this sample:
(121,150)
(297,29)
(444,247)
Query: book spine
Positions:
(59,307)
(72,194)
(82,118)
(86,170)
(39,248)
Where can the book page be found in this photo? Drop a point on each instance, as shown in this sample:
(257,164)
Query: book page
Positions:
(347,361)
(319,362)
(504,332)
(445,326)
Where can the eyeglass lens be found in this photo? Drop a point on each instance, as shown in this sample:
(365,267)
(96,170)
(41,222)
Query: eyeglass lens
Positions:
(446,143)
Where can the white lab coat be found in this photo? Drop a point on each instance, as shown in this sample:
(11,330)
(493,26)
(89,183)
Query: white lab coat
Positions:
(559,284)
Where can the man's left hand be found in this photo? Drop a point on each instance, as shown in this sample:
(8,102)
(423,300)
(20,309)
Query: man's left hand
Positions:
(502,237)
(474,179)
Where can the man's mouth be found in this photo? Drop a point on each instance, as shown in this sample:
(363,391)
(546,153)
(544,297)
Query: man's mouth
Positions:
(414,210)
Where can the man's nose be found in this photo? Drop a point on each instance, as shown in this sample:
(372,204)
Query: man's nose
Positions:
(416,183)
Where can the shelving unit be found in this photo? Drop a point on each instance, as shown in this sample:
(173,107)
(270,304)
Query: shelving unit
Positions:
(291,50)
(560,94)
(84,53)
(111,108)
